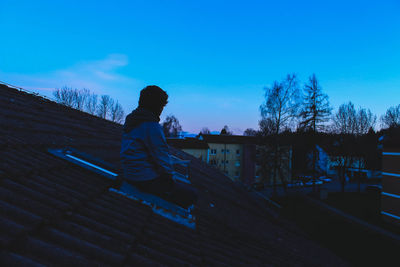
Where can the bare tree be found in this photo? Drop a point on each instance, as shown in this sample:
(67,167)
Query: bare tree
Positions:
(349,123)
(171,126)
(267,126)
(80,98)
(83,100)
(281,103)
(314,114)
(117,113)
(105,106)
(348,120)
(250,132)
(91,104)
(277,112)
(345,124)
(205,130)
(65,96)
(391,118)
(366,120)
(345,119)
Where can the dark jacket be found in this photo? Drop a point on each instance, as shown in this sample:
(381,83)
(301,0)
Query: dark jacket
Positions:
(144,150)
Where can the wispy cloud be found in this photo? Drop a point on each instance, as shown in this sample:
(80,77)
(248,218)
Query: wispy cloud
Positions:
(100,76)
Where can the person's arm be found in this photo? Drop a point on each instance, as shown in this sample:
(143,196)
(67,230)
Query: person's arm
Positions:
(159,150)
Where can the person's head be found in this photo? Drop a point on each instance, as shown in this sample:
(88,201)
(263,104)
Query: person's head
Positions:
(153,98)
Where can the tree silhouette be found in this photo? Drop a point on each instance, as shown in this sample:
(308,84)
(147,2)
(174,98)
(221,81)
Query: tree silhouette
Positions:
(117,113)
(65,96)
(250,132)
(105,106)
(281,103)
(277,112)
(171,126)
(391,118)
(316,109)
(349,123)
(314,114)
(91,104)
(226,131)
(86,101)
(205,130)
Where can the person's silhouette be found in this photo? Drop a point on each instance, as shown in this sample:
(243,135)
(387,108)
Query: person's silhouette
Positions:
(145,156)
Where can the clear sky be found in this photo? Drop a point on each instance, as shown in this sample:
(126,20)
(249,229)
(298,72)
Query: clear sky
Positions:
(212,57)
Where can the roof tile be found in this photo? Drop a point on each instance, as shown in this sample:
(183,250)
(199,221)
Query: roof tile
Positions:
(56,213)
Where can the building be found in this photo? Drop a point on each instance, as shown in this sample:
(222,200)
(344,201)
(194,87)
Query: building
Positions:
(390,195)
(193,146)
(234,155)
(240,158)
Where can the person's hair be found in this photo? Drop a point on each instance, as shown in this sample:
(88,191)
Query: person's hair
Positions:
(153,98)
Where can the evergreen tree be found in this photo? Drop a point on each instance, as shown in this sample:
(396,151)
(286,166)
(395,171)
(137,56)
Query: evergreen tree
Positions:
(314,114)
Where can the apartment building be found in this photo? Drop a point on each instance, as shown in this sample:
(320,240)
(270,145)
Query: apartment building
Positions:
(239,157)
(390,196)
(193,146)
(232,154)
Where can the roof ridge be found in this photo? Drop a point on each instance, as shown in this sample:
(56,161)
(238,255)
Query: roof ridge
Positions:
(25,91)
(52,101)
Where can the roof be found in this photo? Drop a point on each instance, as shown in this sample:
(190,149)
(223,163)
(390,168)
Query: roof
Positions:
(57,213)
(229,139)
(187,143)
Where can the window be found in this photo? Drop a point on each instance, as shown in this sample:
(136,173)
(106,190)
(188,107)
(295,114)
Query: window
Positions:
(237,174)
(213,152)
(222,151)
(213,162)
(227,161)
(237,163)
(86,161)
(227,151)
(237,152)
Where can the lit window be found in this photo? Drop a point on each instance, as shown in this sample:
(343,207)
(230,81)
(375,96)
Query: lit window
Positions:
(237,164)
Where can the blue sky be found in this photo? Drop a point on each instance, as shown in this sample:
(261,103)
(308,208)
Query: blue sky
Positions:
(212,57)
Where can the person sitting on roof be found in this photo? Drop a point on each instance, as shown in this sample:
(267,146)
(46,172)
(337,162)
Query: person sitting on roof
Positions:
(145,156)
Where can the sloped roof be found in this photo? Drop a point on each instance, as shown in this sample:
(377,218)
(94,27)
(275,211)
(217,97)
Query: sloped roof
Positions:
(53,212)
(188,143)
(229,139)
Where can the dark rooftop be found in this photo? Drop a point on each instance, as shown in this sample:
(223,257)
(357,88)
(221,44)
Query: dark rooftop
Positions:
(188,143)
(229,139)
(56,213)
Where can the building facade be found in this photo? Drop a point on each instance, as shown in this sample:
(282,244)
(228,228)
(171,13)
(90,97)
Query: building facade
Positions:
(193,146)
(390,195)
(238,157)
